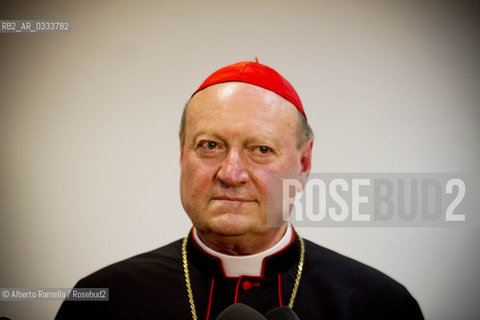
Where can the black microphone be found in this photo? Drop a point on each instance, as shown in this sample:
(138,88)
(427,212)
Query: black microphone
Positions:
(281,313)
(240,311)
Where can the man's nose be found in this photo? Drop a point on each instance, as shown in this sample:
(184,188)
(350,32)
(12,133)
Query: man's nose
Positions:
(233,172)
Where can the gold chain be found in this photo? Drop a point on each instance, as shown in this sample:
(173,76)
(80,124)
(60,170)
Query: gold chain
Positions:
(187,278)
(189,285)
(299,271)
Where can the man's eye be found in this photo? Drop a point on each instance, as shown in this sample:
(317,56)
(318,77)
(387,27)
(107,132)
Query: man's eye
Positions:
(264,149)
(211,145)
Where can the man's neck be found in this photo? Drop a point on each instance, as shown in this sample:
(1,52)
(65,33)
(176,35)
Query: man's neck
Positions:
(242,245)
(245,265)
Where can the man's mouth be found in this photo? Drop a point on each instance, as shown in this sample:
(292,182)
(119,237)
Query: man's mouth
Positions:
(230,198)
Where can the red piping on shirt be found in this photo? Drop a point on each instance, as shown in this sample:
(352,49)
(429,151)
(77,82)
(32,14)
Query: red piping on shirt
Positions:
(236,289)
(280,290)
(210,299)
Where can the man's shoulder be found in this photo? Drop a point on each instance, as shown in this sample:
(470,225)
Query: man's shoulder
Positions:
(355,285)
(338,265)
(164,260)
(139,287)
(336,268)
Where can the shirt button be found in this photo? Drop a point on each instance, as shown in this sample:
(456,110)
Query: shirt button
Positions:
(246,285)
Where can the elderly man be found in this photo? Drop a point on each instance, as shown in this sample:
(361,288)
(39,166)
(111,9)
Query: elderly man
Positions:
(243,123)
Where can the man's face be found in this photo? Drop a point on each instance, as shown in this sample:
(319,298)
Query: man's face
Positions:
(235,134)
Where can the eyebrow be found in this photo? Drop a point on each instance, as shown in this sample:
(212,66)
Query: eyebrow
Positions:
(263,138)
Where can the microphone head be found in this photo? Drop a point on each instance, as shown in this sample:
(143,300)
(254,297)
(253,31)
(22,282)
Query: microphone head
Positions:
(240,311)
(281,313)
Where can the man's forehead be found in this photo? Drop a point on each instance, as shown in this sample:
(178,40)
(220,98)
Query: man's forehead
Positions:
(238,98)
(243,111)
(224,92)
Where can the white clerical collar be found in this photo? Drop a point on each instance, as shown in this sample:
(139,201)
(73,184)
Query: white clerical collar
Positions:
(250,265)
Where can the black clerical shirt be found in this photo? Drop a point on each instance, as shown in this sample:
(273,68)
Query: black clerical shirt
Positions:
(152,286)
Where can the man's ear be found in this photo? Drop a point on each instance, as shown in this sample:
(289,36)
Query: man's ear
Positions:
(182,144)
(305,161)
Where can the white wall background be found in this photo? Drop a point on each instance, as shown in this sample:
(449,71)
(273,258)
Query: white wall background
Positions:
(88,127)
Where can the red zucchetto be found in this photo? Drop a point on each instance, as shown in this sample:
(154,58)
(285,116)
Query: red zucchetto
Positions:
(256,74)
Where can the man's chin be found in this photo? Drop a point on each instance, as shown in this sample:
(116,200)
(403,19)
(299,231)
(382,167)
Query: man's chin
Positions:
(231,225)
